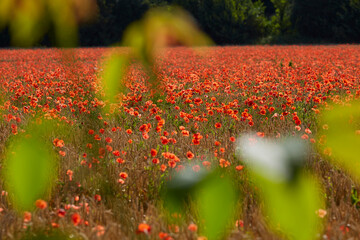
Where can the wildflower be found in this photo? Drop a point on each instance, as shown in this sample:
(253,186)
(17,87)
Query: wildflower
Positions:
(224,163)
(217,125)
(192,227)
(305,137)
(321,213)
(185,133)
(206,163)
(120,160)
(27,217)
(190,155)
(239,223)
(58,143)
(163,167)
(76,219)
(308,131)
(196,168)
(260,134)
(70,174)
(100,230)
(144,228)
(41,204)
(123,175)
(61,213)
(239,167)
(54,225)
(153,152)
(97,198)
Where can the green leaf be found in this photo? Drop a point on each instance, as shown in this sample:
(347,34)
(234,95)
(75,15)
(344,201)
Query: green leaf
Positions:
(158,29)
(64,21)
(342,136)
(29,169)
(113,77)
(216,200)
(27,24)
(180,188)
(290,197)
(6,9)
(292,207)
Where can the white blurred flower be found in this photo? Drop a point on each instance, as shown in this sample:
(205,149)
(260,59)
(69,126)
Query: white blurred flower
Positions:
(273,160)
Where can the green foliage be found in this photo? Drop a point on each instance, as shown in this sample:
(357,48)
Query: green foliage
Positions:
(329,20)
(280,22)
(29,167)
(229,21)
(216,203)
(292,207)
(342,136)
(113,77)
(213,194)
(290,196)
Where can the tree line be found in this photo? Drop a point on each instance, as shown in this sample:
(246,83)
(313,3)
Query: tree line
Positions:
(230,22)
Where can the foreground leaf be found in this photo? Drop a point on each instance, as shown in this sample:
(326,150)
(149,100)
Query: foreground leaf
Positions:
(29,170)
(341,136)
(216,200)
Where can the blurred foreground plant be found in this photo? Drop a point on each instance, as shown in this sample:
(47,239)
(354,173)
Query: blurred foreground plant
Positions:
(291,196)
(158,29)
(214,196)
(30,167)
(29,20)
(340,136)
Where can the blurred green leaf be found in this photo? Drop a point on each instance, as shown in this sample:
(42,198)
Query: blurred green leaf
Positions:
(27,25)
(216,199)
(290,197)
(292,207)
(6,7)
(113,79)
(214,196)
(29,168)
(64,19)
(341,126)
(160,28)
(180,188)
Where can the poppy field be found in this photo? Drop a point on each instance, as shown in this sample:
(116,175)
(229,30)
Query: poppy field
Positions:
(111,166)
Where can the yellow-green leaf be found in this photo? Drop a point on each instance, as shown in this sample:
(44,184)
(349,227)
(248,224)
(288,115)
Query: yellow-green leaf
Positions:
(29,169)
(216,200)
(292,207)
(340,128)
(113,78)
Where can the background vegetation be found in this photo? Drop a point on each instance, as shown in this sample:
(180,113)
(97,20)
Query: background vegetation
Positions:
(231,21)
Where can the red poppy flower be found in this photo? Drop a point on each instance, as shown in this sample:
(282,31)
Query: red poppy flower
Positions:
(41,204)
(76,219)
(190,155)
